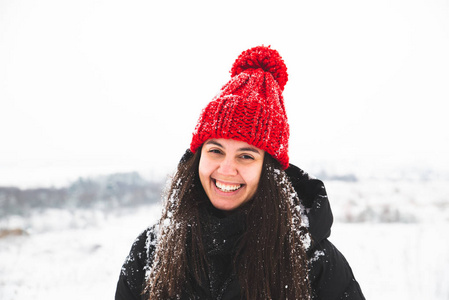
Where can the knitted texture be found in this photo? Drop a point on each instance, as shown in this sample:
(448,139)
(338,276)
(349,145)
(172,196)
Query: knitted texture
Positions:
(250,107)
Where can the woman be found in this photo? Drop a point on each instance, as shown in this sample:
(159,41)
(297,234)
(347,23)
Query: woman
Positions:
(239,221)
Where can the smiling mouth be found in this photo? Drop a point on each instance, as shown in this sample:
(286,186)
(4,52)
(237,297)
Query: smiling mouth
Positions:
(227,188)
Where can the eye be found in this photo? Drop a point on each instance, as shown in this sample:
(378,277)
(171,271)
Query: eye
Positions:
(247,157)
(214,151)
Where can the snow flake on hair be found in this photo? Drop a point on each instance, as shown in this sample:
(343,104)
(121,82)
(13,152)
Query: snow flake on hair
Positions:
(166,228)
(300,221)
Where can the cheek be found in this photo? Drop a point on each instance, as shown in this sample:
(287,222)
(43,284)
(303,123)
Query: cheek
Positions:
(201,171)
(255,184)
(253,178)
(204,170)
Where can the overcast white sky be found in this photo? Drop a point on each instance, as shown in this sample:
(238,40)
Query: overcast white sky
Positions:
(93,87)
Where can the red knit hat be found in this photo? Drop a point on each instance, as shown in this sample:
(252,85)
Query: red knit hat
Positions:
(250,107)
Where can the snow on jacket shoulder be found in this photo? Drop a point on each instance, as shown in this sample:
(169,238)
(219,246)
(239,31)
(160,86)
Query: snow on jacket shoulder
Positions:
(330,274)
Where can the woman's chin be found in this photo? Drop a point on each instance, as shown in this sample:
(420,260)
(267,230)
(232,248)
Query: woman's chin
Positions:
(225,206)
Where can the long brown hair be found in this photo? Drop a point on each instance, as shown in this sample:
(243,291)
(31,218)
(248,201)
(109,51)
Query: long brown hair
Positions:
(270,259)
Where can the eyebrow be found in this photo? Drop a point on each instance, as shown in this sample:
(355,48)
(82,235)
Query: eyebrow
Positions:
(250,149)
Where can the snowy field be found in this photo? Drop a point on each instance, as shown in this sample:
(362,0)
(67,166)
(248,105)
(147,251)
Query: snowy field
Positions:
(78,254)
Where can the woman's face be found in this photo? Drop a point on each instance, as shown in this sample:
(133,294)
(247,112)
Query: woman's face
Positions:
(230,172)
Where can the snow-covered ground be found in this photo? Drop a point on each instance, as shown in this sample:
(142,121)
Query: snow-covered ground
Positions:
(78,260)
(397,261)
(78,254)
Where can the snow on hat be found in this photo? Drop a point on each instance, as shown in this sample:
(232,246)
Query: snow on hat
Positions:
(250,107)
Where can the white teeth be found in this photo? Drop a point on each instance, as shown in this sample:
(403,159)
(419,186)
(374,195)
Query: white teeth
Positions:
(227,188)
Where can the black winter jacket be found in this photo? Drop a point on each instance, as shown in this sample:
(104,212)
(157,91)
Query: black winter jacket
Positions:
(330,274)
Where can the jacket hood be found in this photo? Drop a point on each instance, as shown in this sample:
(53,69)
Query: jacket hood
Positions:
(313,196)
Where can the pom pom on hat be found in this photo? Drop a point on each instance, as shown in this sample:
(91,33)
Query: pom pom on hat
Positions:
(263,58)
(250,107)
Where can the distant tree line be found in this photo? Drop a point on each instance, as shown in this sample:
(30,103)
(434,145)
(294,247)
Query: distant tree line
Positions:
(109,192)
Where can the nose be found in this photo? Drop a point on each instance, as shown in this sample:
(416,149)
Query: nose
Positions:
(227,167)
